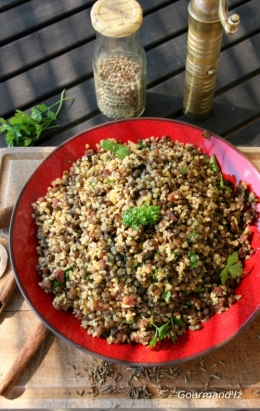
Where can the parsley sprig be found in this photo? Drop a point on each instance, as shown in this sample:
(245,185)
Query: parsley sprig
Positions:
(165,330)
(193,259)
(145,215)
(23,130)
(120,150)
(233,267)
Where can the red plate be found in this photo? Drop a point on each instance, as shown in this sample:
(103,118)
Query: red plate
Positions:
(216,332)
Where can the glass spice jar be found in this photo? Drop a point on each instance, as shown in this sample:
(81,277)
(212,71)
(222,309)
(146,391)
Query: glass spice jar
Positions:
(119,61)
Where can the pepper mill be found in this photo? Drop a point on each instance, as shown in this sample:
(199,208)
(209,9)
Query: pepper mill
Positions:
(207,18)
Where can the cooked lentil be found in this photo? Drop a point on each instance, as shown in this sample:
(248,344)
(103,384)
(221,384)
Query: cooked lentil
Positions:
(121,282)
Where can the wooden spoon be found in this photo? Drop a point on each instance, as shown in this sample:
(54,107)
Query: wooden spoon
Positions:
(5,216)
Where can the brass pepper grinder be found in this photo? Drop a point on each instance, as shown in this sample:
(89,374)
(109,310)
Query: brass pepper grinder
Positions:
(207,18)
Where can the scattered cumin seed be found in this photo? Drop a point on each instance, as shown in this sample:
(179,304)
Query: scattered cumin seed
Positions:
(94,391)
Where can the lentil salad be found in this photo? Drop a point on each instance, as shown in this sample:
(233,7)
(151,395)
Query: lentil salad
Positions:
(142,283)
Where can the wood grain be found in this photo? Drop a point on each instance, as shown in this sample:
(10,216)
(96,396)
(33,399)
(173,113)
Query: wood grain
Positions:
(68,68)
(5,215)
(35,340)
(7,289)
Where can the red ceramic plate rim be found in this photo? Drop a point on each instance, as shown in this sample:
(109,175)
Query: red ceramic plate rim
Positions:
(215,333)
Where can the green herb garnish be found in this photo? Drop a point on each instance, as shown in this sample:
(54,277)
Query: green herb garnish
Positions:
(192,235)
(23,130)
(196,223)
(176,321)
(167,296)
(56,283)
(233,267)
(222,185)
(176,255)
(184,170)
(199,289)
(109,181)
(67,273)
(137,217)
(160,333)
(141,145)
(213,163)
(193,259)
(120,150)
(128,322)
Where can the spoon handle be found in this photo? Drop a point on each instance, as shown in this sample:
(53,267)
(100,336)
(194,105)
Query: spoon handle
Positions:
(5,216)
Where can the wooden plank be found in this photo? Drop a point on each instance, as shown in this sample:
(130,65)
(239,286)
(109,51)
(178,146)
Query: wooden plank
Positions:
(233,109)
(63,71)
(35,13)
(164,100)
(7,4)
(33,49)
(249,135)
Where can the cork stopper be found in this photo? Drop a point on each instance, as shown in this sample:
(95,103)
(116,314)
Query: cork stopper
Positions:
(115,18)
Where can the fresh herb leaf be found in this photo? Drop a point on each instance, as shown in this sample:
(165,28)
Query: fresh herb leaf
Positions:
(128,322)
(141,145)
(184,170)
(67,273)
(167,296)
(222,185)
(233,267)
(120,150)
(196,223)
(224,275)
(176,321)
(137,217)
(24,129)
(160,333)
(56,283)
(109,181)
(192,235)
(193,259)
(213,163)
(176,255)
(199,289)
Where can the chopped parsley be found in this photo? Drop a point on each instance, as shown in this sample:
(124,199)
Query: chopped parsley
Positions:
(233,267)
(193,259)
(166,295)
(199,289)
(192,235)
(222,185)
(184,170)
(109,181)
(213,163)
(141,145)
(67,273)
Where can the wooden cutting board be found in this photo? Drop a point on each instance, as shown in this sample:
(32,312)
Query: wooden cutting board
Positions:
(60,376)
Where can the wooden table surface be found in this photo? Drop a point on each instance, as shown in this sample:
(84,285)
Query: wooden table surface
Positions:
(47,46)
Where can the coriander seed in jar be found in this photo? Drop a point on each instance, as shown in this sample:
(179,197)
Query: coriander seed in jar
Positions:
(119,62)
